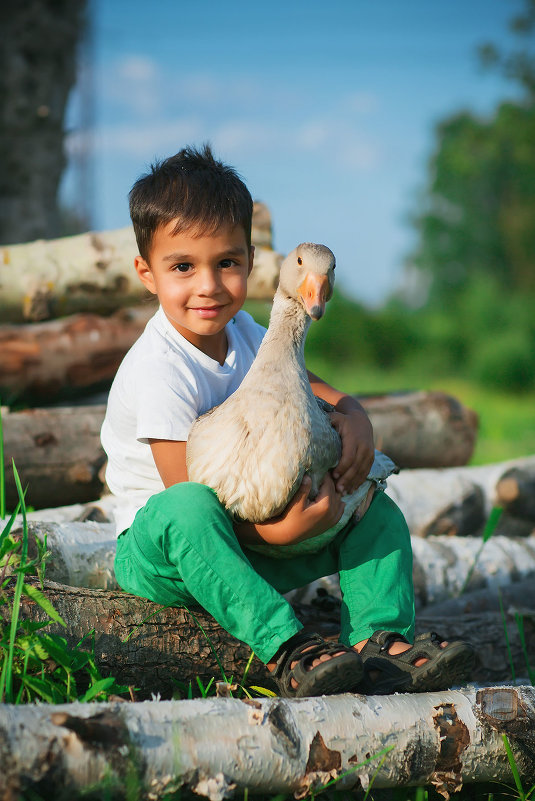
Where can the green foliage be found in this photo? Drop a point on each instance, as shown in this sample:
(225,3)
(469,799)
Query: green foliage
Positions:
(35,664)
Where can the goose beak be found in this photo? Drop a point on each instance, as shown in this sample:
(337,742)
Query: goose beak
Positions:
(314,293)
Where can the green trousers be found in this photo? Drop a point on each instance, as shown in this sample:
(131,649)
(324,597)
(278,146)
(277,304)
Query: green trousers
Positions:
(182,550)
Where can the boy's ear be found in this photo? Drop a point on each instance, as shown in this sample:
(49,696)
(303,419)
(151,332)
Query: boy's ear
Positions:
(251,259)
(145,274)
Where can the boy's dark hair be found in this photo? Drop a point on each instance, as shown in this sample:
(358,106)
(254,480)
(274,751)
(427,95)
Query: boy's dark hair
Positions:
(192,188)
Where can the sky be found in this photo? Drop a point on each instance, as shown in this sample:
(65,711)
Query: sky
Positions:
(326,109)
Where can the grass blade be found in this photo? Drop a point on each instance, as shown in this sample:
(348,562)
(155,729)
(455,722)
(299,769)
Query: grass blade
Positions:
(490,527)
(210,643)
(6,678)
(2,469)
(96,688)
(42,601)
(514,770)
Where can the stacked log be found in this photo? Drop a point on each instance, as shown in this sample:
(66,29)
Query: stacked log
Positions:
(94,272)
(41,440)
(159,649)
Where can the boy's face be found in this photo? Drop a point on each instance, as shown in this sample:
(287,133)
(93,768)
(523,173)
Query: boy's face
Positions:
(200,281)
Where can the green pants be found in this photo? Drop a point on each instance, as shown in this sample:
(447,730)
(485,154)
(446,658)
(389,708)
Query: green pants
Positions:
(182,550)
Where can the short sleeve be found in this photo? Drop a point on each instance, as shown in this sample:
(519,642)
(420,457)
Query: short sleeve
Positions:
(167,404)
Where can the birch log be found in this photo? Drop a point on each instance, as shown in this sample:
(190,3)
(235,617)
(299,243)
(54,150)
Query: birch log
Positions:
(458,500)
(152,648)
(57,453)
(94,272)
(216,748)
(83,553)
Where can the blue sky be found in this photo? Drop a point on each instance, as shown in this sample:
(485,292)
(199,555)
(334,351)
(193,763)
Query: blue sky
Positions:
(325,108)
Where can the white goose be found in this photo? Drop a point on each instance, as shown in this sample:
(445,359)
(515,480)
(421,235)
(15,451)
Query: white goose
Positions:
(254,448)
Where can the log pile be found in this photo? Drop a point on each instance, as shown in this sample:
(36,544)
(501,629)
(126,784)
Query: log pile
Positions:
(217,748)
(154,648)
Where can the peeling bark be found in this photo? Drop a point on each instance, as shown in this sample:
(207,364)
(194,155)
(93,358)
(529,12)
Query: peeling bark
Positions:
(151,648)
(92,272)
(218,747)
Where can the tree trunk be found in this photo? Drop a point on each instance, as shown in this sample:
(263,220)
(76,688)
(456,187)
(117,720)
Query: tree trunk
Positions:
(92,272)
(40,440)
(218,747)
(152,648)
(422,429)
(37,72)
(44,362)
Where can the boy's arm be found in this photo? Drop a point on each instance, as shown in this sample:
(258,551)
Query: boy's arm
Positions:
(170,459)
(300,520)
(356,433)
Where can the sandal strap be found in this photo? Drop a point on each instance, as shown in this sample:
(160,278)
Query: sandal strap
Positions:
(302,649)
(379,642)
(292,650)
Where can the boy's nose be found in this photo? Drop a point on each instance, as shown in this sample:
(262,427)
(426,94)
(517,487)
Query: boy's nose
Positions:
(208,281)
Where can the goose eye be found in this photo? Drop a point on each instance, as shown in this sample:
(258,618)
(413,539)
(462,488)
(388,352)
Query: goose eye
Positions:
(299,260)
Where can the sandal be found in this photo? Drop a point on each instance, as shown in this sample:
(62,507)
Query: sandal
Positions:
(339,674)
(398,673)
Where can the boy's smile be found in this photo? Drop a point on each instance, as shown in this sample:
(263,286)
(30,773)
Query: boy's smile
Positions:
(200,281)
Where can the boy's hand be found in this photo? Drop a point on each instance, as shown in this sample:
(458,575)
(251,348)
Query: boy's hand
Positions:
(358,450)
(307,518)
(301,520)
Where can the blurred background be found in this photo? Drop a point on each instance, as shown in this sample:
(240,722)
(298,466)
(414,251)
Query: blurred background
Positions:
(400,134)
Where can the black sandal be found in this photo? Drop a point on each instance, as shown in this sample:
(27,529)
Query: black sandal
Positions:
(397,672)
(339,674)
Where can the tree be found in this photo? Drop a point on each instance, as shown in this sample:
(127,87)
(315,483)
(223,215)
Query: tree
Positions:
(37,71)
(477,221)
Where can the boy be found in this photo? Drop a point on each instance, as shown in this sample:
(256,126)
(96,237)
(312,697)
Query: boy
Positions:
(177,545)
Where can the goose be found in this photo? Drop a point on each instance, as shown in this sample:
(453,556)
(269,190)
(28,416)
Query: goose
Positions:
(255,447)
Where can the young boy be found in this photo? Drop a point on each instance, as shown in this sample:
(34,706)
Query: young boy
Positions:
(176,543)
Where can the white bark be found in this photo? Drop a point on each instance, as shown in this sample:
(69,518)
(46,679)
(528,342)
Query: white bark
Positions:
(217,747)
(83,553)
(91,272)
(425,495)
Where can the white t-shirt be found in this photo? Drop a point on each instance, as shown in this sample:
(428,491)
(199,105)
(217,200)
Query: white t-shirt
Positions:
(163,384)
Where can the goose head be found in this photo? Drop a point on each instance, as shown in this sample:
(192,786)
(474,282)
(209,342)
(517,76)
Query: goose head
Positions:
(307,276)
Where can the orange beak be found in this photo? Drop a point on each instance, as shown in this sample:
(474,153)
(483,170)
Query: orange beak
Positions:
(314,292)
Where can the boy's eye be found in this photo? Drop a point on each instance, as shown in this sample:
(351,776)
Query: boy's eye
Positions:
(183,267)
(227,263)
